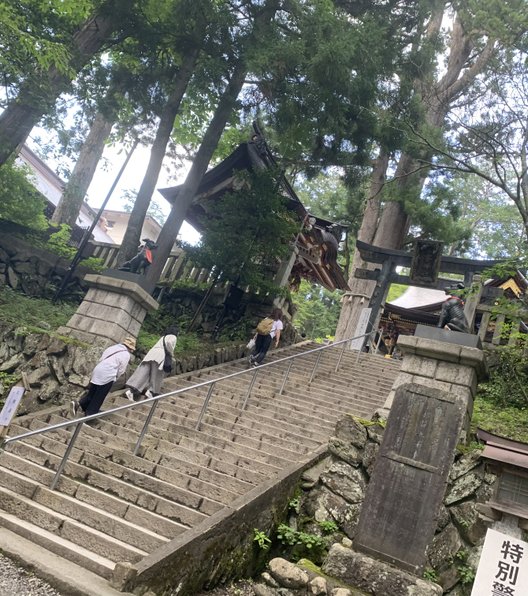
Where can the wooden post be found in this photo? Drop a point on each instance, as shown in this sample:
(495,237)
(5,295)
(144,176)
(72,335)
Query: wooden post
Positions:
(473,300)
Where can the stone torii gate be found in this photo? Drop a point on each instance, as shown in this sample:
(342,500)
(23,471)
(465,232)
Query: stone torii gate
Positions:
(425,264)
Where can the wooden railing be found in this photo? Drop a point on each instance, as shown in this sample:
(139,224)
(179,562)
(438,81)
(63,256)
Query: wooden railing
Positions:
(177,267)
(498,327)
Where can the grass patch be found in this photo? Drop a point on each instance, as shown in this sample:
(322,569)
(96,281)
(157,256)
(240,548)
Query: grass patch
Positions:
(507,421)
(20,310)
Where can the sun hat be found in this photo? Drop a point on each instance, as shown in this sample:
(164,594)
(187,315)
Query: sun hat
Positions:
(130,343)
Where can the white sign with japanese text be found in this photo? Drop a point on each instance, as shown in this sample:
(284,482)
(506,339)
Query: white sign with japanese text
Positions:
(361,328)
(11,405)
(503,567)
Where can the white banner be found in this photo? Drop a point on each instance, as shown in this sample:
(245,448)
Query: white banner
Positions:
(503,567)
(361,328)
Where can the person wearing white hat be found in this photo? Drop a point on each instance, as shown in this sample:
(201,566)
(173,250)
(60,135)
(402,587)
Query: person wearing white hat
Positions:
(149,375)
(112,365)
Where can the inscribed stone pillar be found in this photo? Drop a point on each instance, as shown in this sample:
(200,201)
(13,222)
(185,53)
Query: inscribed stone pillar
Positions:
(429,410)
(113,308)
(398,517)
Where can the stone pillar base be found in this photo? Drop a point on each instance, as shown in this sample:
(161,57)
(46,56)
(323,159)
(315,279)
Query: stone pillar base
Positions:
(113,308)
(443,360)
(363,572)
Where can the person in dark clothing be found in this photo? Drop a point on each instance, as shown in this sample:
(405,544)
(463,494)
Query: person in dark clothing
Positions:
(452,315)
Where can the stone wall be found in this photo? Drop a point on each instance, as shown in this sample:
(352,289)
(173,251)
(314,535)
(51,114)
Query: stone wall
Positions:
(32,270)
(58,369)
(334,491)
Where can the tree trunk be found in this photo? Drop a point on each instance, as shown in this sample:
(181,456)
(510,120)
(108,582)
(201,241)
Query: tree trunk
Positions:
(361,289)
(410,174)
(184,199)
(212,135)
(70,204)
(132,235)
(39,92)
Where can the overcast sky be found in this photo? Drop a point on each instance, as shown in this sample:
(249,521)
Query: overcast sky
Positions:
(109,166)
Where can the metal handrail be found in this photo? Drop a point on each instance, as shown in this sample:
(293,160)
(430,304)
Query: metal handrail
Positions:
(155,399)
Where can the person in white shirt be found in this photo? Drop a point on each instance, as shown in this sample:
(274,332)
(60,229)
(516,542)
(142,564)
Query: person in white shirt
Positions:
(149,375)
(112,365)
(263,342)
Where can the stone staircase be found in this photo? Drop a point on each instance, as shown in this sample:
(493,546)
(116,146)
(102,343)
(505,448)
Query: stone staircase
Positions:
(111,506)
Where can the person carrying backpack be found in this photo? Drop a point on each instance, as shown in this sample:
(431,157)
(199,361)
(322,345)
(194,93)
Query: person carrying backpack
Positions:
(268,330)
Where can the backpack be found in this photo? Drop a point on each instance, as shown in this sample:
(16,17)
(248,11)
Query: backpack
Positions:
(265,326)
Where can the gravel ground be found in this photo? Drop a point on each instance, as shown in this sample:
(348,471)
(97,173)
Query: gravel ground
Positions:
(16,581)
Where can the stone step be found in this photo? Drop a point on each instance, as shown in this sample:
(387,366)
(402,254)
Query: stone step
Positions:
(233,420)
(118,487)
(261,396)
(85,513)
(308,414)
(329,380)
(85,493)
(258,452)
(60,546)
(223,490)
(31,511)
(154,478)
(225,404)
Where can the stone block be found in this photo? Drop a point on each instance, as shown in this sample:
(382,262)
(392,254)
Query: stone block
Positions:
(288,574)
(430,348)
(451,337)
(455,373)
(372,576)
(419,365)
(408,482)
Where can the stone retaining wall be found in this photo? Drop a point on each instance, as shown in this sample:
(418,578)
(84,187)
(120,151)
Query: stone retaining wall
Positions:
(334,491)
(57,370)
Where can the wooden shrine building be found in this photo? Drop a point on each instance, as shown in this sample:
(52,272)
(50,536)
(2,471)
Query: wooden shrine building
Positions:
(314,255)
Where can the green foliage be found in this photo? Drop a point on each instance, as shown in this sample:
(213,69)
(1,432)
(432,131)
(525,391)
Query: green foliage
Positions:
(317,310)
(7,381)
(248,232)
(506,421)
(35,36)
(59,242)
(508,382)
(430,575)
(328,526)
(20,202)
(302,542)
(261,538)
(20,310)
(466,574)
(295,503)
(395,291)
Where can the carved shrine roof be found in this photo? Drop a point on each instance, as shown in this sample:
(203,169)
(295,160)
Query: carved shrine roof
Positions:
(315,261)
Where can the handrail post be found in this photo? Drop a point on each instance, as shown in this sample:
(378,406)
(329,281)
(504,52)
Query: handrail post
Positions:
(145,427)
(341,356)
(315,366)
(204,406)
(66,455)
(250,388)
(285,377)
(376,349)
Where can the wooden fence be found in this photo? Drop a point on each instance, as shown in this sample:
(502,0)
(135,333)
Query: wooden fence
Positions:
(498,327)
(177,267)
